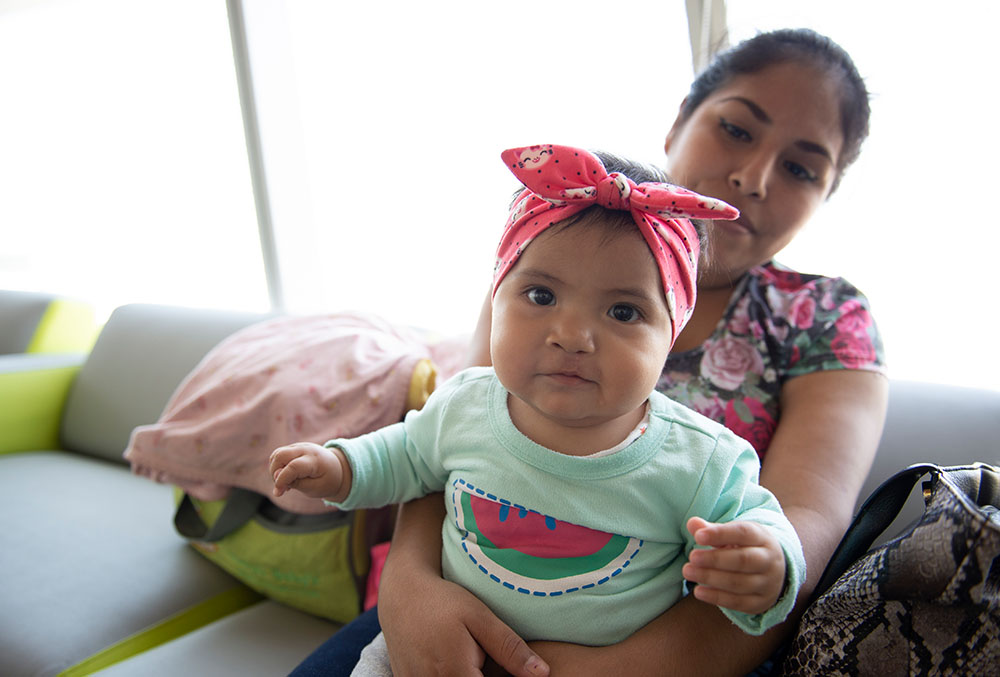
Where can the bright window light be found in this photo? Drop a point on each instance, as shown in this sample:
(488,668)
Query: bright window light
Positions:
(912,224)
(125,174)
(122,160)
(404,110)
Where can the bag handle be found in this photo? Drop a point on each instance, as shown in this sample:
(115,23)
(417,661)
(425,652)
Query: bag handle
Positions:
(978,482)
(874,517)
(241,506)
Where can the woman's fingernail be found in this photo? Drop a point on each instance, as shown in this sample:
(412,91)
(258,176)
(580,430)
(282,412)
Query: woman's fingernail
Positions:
(537,666)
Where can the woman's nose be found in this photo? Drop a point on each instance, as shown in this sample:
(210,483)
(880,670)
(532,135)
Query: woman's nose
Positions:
(751,178)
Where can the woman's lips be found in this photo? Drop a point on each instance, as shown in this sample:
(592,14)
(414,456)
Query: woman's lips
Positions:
(741,226)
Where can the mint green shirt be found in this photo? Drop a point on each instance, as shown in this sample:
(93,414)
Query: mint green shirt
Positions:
(568,548)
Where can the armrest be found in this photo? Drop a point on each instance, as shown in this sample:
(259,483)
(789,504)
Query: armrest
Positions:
(33,390)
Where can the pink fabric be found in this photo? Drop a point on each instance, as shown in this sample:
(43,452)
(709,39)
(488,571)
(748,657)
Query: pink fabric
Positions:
(563,181)
(284,380)
(379,553)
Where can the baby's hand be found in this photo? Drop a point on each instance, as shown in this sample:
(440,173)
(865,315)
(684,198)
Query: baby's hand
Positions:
(314,470)
(744,570)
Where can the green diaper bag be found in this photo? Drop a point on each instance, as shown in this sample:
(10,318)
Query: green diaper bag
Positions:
(316,563)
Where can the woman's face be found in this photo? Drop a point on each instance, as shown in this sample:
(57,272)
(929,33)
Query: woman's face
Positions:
(767,143)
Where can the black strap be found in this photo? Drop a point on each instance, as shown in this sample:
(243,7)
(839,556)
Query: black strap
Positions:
(241,506)
(874,517)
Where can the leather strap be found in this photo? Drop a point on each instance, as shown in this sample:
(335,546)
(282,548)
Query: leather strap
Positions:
(241,506)
(979,482)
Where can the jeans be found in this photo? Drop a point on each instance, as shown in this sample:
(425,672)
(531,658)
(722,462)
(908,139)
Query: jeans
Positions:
(338,655)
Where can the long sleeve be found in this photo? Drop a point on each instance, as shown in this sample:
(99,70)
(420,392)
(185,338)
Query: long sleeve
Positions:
(729,491)
(403,461)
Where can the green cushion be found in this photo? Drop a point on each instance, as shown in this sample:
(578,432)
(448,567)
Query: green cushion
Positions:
(33,390)
(66,326)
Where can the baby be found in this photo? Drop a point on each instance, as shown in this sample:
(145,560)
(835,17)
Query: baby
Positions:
(575,492)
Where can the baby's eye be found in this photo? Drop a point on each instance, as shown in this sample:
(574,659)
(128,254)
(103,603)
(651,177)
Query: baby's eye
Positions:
(624,312)
(541,296)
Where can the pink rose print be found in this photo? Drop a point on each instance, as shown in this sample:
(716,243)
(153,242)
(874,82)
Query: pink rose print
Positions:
(786,280)
(795,357)
(740,321)
(728,360)
(802,312)
(710,406)
(827,302)
(778,331)
(853,350)
(854,318)
(758,431)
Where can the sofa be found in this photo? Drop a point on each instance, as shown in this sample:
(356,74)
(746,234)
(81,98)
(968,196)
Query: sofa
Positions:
(93,577)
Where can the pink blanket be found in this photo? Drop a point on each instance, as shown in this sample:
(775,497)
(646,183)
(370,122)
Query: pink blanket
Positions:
(284,380)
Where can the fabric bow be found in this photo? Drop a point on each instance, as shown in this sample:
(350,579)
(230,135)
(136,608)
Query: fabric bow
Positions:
(562,181)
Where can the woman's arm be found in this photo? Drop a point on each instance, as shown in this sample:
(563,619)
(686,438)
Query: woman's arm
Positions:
(817,462)
(478,354)
(432,626)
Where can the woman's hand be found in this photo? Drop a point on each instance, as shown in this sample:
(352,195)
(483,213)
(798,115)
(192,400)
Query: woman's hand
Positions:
(432,626)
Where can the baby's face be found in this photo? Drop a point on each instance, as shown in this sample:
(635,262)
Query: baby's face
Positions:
(580,327)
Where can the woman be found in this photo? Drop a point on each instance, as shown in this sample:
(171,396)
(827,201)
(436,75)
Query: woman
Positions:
(791,362)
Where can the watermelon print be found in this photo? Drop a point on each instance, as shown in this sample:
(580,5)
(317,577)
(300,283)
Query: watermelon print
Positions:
(535,554)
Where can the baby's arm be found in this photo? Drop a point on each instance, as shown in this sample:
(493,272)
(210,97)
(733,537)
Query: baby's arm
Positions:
(744,570)
(316,471)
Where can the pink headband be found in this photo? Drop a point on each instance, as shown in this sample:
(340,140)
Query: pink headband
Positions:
(562,181)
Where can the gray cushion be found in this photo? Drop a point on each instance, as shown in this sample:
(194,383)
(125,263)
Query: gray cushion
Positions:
(10,364)
(20,313)
(141,356)
(88,556)
(928,422)
(280,638)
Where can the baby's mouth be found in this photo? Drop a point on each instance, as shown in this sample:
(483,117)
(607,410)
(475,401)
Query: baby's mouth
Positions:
(569,378)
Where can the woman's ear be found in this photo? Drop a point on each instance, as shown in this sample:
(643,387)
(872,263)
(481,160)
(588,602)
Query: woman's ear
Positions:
(674,128)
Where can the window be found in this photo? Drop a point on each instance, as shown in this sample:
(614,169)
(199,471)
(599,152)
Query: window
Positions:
(123,162)
(404,109)
(125,174)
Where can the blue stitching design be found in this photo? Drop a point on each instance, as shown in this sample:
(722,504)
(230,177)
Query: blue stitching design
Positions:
(523,510)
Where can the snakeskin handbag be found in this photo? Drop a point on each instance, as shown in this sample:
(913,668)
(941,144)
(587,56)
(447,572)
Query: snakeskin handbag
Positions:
(924,603)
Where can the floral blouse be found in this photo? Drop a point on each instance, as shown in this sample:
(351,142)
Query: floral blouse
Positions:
(779,324)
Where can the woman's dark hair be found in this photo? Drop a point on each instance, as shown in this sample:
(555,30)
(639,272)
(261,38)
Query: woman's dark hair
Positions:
(793,45)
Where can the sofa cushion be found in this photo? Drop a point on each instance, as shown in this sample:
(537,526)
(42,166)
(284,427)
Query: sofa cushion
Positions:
(281,637)
(141,355)
(33,392)
(933,423)
(20,313)
(89,558)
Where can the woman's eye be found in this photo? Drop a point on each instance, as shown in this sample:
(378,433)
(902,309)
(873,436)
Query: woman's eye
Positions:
(734,131)
(541,296)
(800,172)
(624,313)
